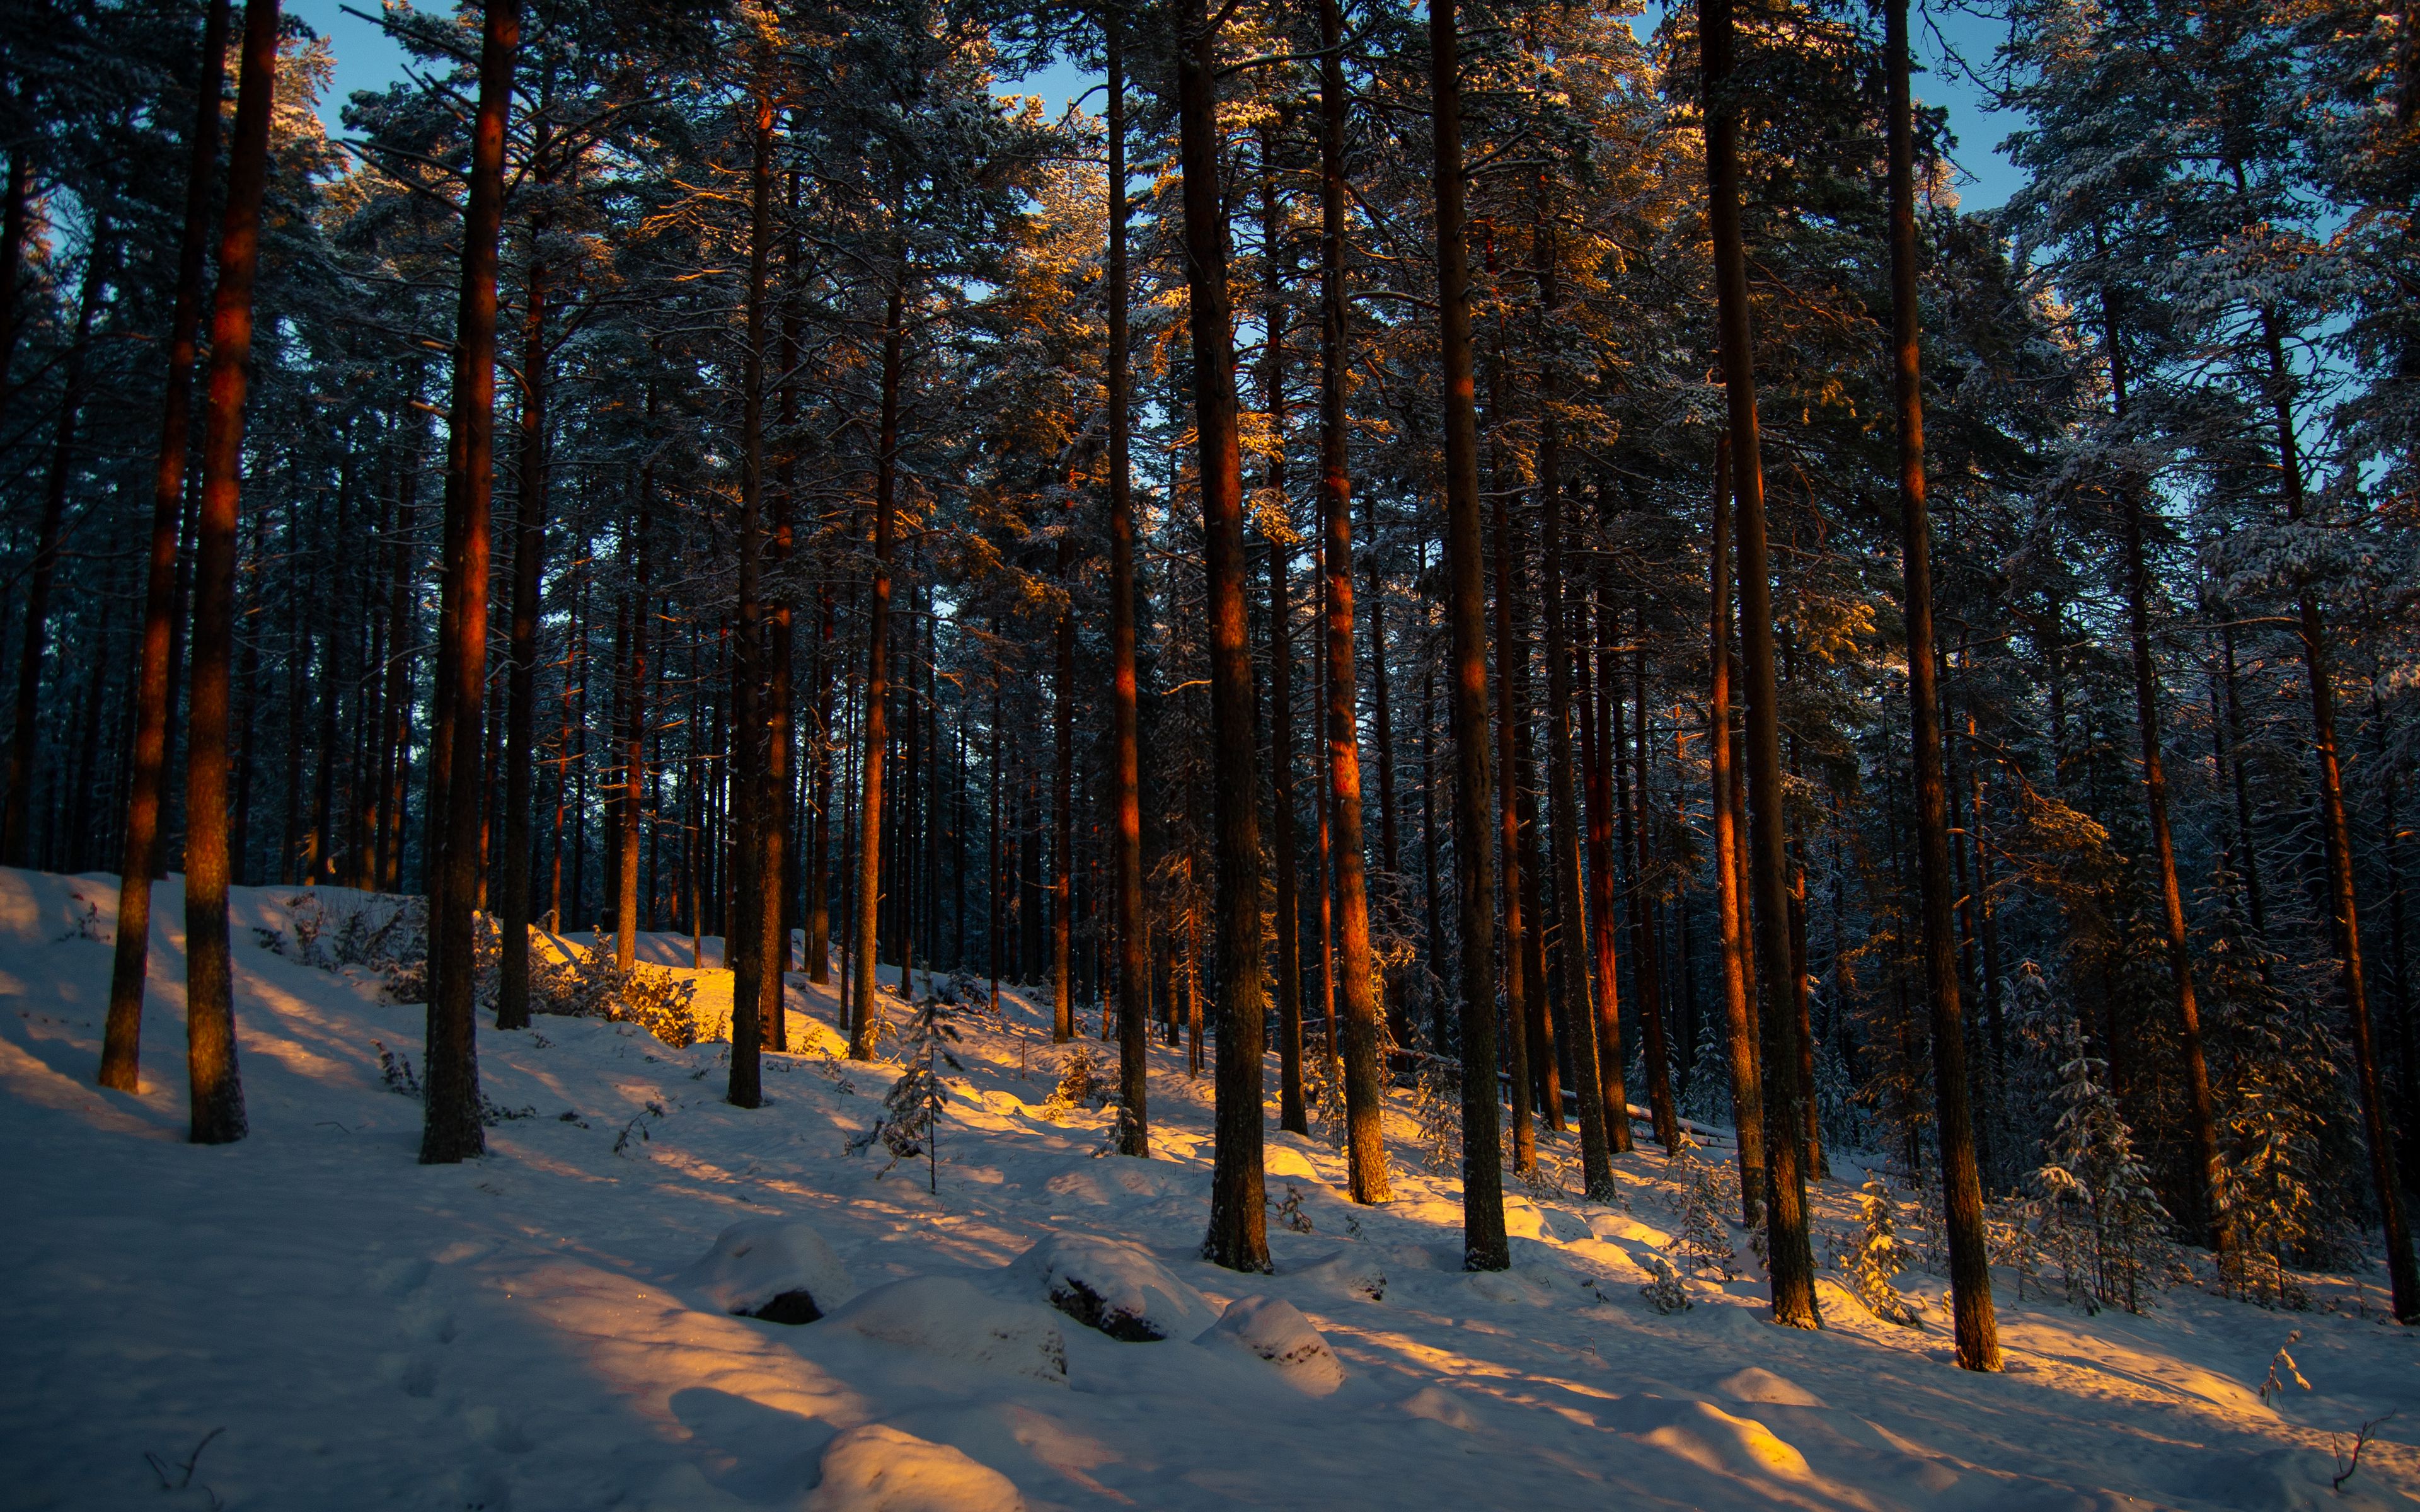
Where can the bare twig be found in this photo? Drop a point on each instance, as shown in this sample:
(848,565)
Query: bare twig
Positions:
(2360,1441)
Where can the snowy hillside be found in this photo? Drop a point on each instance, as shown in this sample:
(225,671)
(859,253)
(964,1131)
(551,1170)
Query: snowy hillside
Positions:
(310,1320)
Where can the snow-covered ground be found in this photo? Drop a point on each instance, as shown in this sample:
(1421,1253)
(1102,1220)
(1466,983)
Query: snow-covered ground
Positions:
(311,1320)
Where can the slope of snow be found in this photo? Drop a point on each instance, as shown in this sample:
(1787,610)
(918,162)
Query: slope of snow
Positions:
(311,1320)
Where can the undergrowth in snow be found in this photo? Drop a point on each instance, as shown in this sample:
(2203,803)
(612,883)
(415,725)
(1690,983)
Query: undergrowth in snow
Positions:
(311,1320)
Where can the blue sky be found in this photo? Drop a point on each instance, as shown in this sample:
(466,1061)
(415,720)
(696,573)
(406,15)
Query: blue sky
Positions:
(367,59)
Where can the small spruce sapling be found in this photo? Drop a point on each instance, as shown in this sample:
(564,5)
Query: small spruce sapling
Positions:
(1706,1236)
(1081,1083)
(2101,1219)
(1873,1263)
(910,1124)
(1436,1108)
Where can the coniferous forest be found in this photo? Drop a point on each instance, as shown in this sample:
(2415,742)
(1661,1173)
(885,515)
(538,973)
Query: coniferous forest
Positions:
(1512,559)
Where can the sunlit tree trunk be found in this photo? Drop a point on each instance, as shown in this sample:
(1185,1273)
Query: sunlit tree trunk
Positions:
(1126,761)
(1791,1262)
(1365,1089)
(122,1039)
(1237,1236)
(1973,1320)
(1291,1115)
(876,719)
(1739,1008)
(521,715)
(1576,1018)
(1483,1243)
(2336,833)
(217,1088)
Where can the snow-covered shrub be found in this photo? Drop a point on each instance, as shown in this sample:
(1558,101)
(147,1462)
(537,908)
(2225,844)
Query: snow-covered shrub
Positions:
(1664,1290)
(1081,1084)
(380,932)
(1323,1096)
(1706,1195)
(1290,1210)
(2283,1112)
(1436,1109)
(1871,1264)
(591,984)
(2100,1220)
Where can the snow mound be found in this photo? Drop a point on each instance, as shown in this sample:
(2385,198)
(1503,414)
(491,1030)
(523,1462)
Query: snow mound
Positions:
(944,1315)
(876,1468)
(1440,1406)
(1713,1440)
(1272,1328)
(1283,1163)
(777,1269)
(1109,1285)
(1348,1273)
(1757,1384)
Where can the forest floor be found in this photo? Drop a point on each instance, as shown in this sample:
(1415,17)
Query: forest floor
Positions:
(310,1320)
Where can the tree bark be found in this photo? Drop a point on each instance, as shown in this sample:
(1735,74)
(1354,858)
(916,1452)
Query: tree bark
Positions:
(743,943)
(2202,1122)
(1365,1091)
(877,718)
(217,1085)
(1292,1115)
(1790,1259)
(1126,764)
(1576,1016)
(1974,1322)
(1596,750)
(24,739)
(1483,1243)
(520,718)
(1237,1236)
(2352,971)
(122,1039)
(1520,990)
(1645,946)
(1738,1011)
(452,1130)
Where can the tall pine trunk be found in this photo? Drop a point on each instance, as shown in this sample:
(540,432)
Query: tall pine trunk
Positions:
(217,1088)
(1973,1320)
(451,1130)
(1292,1115)
(1790,1259)
(1126,764)
(1739,1008)
(2201,1119)
(1596,750)
(875,720)
(1483,1243)
(634,730)
(2336,835)
(520,714)
(1365,1089)
(24,739)
(1576,1016)
(1520,988)
(1237,1236)
(743,942)
(122,1039)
